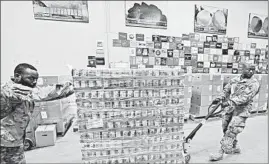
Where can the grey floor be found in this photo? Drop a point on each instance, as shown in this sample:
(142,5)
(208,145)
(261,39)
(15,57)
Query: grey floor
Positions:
(253,142)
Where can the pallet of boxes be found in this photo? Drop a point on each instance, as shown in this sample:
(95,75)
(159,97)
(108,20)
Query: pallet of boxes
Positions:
(260,100)
(130,116)
(205,88)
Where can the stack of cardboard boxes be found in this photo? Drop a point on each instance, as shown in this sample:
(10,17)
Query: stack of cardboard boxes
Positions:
(261,99)
(187,93)
(205,88)
(130,116)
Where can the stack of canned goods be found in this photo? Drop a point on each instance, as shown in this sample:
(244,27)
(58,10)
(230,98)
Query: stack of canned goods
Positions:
(130,116)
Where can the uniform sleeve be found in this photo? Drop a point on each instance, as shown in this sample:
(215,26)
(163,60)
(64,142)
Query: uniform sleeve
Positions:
(246,94)
(52,92)
(226,91)
(9,98)
(5,104)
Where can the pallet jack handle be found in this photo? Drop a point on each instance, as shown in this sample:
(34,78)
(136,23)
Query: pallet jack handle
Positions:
(211,113)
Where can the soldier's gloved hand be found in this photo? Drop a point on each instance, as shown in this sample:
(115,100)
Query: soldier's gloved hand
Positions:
(225,104)
(217,100)
(229,106)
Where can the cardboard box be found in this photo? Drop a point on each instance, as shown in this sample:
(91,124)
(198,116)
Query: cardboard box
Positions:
(264,78)
(187,92)
(217,89)
(263,96)
(264,87)
(227,78)
(200,79)
(255,106)
(199,111)
(53,80)
(45,135)
(217,79)
(188,80)
(201,100)
(262,105)
(258,77)
(187,101)
(202,89)
(256,98)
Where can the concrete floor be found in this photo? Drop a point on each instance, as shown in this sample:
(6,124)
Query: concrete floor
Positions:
(253,142)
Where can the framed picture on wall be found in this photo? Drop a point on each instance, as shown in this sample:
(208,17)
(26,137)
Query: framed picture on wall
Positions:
(258,26)
(70,11)
(210,20)
(146,14)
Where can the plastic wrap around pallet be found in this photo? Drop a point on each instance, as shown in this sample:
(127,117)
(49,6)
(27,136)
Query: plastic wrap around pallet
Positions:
(130,116)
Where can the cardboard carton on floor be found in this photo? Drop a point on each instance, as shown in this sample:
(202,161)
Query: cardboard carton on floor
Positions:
(187,92)
(202,89)
(199,111)
(217,79)
(262,105)
(201,100)
(263,96)
(255,106)
(199,79)
(45,135)
(217,89)
(264,87)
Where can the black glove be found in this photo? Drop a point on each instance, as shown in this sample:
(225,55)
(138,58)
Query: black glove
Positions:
(225,104)
(217,100)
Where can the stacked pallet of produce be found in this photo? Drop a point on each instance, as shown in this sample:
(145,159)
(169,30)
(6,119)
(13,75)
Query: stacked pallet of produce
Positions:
(130,116)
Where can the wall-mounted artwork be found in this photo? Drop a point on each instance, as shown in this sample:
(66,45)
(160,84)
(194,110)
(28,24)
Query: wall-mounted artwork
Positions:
(70,11)
(258,26)
(146,14)
(210,20)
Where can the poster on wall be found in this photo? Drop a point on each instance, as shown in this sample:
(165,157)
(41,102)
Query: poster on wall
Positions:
(70,11)
(146,14)
(258,26)
(210,20)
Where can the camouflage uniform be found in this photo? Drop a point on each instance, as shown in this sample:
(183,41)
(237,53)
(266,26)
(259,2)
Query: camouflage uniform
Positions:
(17,105)
(12,155)
(239,93)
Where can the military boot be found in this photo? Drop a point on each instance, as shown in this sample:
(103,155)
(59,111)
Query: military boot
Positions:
(216,156)
(236,149)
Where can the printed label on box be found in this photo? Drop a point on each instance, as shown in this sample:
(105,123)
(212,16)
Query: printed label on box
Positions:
(95,123)
(189,89)
(210,87)
(211,76)
(210,98)
(44,115)
(218,88)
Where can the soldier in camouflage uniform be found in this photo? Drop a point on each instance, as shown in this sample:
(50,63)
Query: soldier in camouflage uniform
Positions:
(17,104)
(237,100)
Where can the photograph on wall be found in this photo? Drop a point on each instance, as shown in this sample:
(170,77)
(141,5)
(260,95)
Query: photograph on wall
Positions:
(146,14)
(70,11)
(258,26)
(210,20)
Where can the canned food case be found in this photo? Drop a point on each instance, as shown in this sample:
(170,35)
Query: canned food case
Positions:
(130,116)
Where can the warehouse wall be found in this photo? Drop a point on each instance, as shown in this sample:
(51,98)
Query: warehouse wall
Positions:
(50,45)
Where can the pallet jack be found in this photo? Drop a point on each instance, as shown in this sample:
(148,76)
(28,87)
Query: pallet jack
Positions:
(187,140)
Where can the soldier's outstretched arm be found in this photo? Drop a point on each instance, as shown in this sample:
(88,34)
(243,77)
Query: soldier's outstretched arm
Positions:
(53,93)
